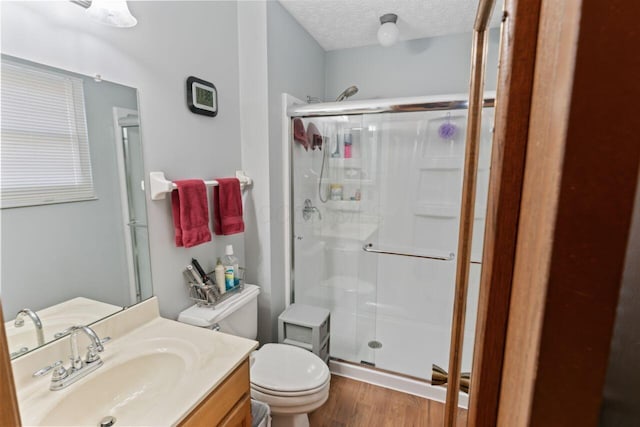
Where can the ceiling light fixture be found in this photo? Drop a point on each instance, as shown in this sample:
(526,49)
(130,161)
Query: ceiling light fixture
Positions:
(388,31)
(109,12)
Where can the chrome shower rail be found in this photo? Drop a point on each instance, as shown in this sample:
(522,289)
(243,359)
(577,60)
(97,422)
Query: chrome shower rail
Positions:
(368,247)
(392,105)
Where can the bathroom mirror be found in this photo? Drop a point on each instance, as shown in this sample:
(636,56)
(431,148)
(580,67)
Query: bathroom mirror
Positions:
(74,237)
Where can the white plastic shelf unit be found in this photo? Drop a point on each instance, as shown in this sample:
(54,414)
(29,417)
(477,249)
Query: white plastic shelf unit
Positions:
(306,327)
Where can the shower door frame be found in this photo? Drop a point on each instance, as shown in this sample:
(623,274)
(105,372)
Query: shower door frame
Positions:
(294,108)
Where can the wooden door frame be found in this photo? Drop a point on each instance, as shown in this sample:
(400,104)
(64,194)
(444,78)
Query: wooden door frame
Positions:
(513,102)
(577,202)
(557,223)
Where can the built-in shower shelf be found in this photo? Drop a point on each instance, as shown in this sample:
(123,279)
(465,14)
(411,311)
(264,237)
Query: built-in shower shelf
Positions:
(349,181)
(354,231)
(445,211)
(344,205)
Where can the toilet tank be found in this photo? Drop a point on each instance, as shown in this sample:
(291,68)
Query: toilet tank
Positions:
(237,315)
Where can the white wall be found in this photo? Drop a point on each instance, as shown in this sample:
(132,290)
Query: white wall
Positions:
(296,65)
(430,66)
(254,120)
(173,40)
(276,56)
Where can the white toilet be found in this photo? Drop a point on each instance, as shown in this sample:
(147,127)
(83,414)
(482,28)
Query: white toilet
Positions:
(292,381)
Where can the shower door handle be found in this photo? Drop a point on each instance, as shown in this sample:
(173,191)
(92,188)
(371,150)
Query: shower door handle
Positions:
(368,247)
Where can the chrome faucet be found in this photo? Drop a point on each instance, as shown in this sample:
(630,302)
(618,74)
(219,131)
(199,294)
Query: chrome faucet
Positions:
(19,322)
(309,210)
(63,377)
(95,347)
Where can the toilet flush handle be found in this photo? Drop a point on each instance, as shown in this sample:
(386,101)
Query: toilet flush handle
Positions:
(215,327)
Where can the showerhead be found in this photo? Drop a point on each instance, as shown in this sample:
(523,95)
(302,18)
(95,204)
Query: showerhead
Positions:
(347,93)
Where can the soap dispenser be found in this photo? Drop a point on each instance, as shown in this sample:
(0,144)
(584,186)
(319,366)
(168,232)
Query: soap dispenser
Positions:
(230,263)
(219,272)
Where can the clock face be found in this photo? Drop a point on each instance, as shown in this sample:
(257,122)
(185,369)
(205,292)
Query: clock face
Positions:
(202,97)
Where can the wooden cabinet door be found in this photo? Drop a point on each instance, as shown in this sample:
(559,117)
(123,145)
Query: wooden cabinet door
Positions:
(224,400)
(240,415)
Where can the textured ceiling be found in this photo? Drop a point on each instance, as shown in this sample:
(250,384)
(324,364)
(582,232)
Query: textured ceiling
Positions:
(339,24)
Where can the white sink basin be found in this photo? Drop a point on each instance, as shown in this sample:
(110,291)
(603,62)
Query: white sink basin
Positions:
(125,391)
(153,374)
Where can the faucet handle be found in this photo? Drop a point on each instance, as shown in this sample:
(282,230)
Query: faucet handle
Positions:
(46,369)
(92,351)
(60,372)
(92,354)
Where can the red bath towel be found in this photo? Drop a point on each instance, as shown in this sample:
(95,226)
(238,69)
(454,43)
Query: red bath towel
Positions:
(190,213)
(227,207)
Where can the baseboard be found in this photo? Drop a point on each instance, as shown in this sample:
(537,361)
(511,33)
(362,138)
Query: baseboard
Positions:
(393,382)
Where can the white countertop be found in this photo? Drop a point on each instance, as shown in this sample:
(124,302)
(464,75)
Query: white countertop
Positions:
(155,372)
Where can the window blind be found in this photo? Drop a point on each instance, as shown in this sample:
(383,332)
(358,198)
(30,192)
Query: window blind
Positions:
(44,141)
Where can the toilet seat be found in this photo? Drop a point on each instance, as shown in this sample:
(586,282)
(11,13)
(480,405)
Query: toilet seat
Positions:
(286,370)
(289,393)
(292,404)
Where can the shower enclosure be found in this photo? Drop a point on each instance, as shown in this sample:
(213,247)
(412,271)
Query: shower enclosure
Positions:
(375,214)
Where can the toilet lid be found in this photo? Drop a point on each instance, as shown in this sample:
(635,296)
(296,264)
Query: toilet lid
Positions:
(283,367)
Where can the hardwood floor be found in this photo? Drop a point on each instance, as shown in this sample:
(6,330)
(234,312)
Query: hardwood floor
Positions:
(353,403)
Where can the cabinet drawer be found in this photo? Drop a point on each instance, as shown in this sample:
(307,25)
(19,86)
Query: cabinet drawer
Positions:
(222,400)
(324,351)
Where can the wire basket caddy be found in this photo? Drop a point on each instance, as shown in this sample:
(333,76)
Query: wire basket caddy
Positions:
(208,295)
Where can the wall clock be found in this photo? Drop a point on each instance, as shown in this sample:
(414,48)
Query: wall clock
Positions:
(202,97)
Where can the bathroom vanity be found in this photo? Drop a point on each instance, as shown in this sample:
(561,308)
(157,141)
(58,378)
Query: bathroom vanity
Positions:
(155,372)
(229,405)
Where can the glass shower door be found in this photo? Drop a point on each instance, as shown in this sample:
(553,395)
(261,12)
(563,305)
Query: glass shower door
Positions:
(420,159)
(331,187)
(376,231)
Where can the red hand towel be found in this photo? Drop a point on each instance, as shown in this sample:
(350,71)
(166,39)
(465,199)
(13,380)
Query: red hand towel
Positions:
(299,134)
(227,207)
(190,213)
(314,137)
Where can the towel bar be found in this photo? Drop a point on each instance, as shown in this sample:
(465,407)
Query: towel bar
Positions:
(160,186)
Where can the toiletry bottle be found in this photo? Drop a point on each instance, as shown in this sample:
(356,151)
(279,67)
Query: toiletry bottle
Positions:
(230,267)
(347,145)
(335,192)
(336,153)
(220,277)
